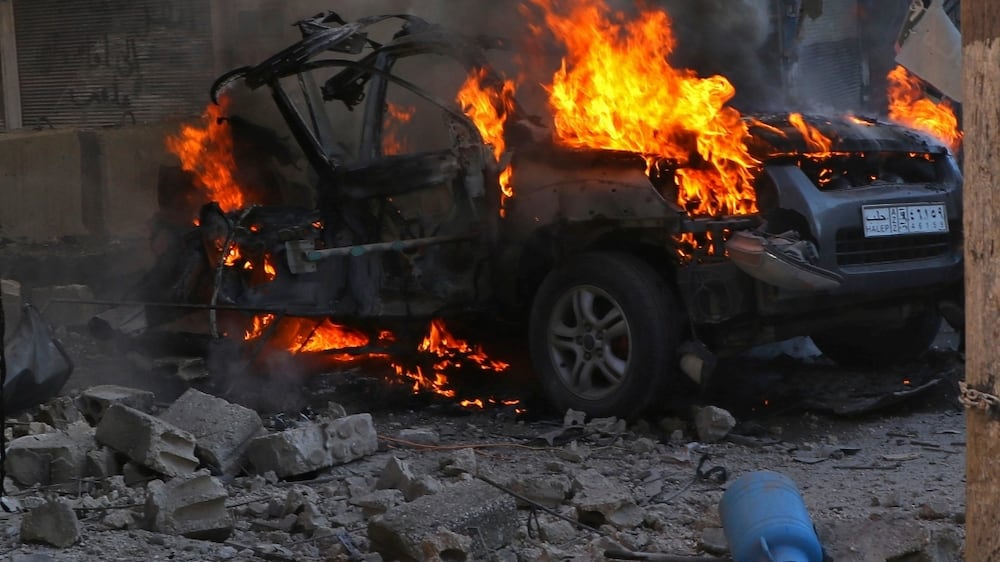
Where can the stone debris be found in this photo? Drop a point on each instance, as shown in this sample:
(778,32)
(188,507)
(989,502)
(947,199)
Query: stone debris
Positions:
(223,430)
(419,436)
(50,458)
(96,400)
(713,424)
(313,446)
(398,475)
(462,461)
(54,522)
(192,506)
(412,503)
(599,500)
(60,412)
(549,490)
(147,440)
(472,508)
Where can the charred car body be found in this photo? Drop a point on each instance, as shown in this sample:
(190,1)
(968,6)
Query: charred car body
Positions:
(618,283)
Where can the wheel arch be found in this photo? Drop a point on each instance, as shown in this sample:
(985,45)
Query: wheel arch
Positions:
(550,246)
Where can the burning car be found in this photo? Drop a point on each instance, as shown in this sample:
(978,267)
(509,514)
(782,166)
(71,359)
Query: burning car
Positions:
(648,227)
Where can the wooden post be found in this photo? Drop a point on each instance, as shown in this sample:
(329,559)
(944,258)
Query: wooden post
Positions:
(981,108)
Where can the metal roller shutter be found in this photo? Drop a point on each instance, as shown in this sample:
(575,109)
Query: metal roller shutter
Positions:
(829,71)
(110,62)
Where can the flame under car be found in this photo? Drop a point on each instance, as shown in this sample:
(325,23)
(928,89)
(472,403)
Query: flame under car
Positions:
(612,268)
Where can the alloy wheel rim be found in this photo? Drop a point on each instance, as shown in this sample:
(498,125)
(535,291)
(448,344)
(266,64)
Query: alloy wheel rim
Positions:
(590,342)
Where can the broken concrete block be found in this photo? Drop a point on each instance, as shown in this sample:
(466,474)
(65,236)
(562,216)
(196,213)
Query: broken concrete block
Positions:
(53,522)
(420,436)
(65,313)
(314,446)
(599,500)
(192,506)
(462,461)
(398,475)
(471,508)
(713,424)
(50,458)
(148,441)
(379,502)
(549,490)
(60,412)
(223,430)
(96,400)
(101,462)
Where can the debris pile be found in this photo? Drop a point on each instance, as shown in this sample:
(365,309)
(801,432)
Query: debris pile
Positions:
(112,471)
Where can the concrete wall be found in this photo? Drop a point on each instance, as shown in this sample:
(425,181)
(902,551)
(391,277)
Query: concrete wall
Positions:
(82,183)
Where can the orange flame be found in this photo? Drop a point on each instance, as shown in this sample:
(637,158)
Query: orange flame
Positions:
(301,335)
(910,106)
(489,106)
(616,90)
(816,142)
(207,153)
(396,116)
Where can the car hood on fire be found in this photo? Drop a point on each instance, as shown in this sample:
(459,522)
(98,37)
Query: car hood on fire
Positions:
(773,135)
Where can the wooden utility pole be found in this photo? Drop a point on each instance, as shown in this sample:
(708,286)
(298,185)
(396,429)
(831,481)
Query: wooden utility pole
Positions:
(981,108)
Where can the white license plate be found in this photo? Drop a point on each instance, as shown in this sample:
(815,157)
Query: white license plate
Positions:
(895,220)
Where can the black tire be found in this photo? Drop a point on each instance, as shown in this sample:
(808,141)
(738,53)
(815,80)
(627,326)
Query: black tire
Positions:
(865,346)
(620,361)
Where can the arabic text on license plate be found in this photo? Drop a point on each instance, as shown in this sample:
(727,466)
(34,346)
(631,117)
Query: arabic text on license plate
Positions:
(894,220)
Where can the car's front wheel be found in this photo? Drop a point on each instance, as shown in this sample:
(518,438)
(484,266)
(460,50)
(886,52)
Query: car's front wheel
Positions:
(604,335)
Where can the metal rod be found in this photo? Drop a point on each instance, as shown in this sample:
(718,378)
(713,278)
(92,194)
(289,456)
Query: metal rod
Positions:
(394,246)
(194,306)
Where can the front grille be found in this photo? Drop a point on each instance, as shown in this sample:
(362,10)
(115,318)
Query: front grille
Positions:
(854,249)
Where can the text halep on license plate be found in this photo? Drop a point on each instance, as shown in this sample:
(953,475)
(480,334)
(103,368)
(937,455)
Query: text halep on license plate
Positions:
(893,220)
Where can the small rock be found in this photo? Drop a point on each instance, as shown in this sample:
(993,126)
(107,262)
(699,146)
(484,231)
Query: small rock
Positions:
(713,541)
(574,418)
(547,490)
(226,552)
(608,426)
(462,461)
(421,436)
(398,474)
(379,502)
(713,424)
(119,519)
(573,452)
(53,522)
(642,445)
(934,510)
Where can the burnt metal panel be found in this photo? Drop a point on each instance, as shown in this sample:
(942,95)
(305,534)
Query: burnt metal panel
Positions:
(111,62)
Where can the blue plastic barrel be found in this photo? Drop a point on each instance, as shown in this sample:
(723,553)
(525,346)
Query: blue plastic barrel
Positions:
(765,520)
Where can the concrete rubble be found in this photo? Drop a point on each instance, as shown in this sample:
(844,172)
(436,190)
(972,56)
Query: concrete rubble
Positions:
(222,430)
(193,506)
(471,508)
(313,446)
(148,440)
(322,488)
(96,400)
(54,522)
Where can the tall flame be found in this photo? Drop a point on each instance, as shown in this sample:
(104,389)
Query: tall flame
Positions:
(910,106)
(207,152)
(616,90)
(489,105)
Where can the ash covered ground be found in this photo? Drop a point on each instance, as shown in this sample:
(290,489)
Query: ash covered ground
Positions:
(877,456)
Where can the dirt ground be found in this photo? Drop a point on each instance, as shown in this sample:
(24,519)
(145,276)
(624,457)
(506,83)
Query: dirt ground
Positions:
(878,459)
